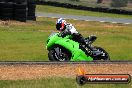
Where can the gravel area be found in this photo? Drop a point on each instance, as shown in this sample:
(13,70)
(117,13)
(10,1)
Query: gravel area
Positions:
(27,72)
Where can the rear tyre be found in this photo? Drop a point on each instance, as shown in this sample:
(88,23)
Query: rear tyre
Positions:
(20,1)
(31,18)
(20,6)
(6,4)
(6,16)
(31,1)
(105,56)
(59,54)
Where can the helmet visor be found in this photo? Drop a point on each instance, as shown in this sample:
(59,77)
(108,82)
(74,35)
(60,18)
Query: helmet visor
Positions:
(58,26)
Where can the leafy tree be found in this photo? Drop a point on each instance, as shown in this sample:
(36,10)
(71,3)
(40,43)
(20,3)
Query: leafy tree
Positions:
(75,0)
(130,1)
(99,1)
(119,3)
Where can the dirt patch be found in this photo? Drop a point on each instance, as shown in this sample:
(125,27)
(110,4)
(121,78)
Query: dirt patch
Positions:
(112,26)
(13,22)
(20,72)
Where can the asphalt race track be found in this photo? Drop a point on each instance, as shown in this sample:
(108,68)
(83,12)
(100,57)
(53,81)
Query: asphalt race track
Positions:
(86,18)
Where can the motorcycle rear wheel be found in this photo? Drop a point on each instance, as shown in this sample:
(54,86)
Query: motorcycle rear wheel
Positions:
(102,57)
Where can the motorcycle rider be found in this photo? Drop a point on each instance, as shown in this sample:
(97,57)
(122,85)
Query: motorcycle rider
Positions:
(68,29)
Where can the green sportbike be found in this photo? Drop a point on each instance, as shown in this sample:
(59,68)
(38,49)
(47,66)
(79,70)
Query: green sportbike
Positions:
(66,49)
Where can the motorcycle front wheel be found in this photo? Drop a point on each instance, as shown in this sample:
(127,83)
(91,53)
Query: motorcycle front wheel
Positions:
(58,54)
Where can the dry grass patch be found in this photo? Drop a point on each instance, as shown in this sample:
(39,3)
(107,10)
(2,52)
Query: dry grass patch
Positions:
(12,22)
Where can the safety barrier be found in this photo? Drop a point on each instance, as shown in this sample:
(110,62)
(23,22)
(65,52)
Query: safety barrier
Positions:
(80,7)
(20,10)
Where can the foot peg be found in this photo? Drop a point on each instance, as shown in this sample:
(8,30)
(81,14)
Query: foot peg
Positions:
(96,53)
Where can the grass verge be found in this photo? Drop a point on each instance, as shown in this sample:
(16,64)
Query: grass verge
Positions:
(52,9)
(55,83)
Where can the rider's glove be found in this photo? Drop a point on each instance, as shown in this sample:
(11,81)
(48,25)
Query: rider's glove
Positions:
(65,33)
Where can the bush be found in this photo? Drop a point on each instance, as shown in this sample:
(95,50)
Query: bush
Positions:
(119,3)
(99,1)
(75,0)
(130,1)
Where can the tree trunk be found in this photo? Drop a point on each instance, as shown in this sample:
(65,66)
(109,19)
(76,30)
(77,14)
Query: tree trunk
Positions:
(99,1)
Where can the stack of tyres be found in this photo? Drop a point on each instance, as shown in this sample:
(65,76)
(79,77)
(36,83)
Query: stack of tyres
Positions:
(0,10)
(6,10)
(31,10)
(20,10)
(1,3)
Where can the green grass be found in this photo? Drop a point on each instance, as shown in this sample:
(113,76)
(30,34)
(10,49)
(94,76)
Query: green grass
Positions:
(60,10)
(24,41)
(27,41)
(55,83)
(18,45)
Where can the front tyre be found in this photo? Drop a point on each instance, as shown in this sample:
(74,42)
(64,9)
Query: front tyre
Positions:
(103,56)
(58,54)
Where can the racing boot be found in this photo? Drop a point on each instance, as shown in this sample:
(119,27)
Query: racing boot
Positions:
(91,50)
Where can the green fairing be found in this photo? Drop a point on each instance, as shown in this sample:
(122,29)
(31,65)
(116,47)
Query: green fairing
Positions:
(72,46)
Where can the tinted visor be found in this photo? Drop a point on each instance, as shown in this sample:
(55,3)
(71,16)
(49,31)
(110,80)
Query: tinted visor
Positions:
(58,26)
